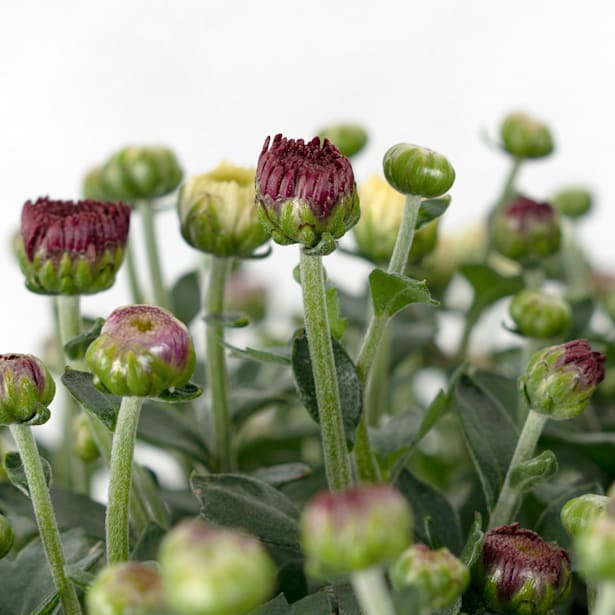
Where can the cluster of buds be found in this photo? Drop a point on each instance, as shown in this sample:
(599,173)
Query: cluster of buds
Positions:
(72,248)
(525,137)
(540,315)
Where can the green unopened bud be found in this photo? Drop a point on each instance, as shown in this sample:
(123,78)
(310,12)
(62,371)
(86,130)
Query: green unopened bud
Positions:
(526,231)
(141,173)
(72,248)
(411,169)
(350,139)
(84,444)
(559,380)
(26,389)
(305,192)
(7,536)
(92,187)
(142,350)
(351,530)
(594,548)
(577,514)
(437,575)
(217,214)
(540,315)
(520,573)
(573,202)
(525,137)
(127,588)
(209,570)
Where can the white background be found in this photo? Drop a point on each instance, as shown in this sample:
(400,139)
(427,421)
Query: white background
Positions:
(212,79)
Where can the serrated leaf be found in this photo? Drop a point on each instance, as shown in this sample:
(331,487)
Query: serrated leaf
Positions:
(391,292)
(81,386)
(184,393)
(186,297)
(431,209)
(337,323)
(525,476)
(258,355)
(75,347)
(17,475)
(350,390)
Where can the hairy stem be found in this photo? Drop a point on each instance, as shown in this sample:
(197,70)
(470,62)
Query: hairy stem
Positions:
(372,593)
(161,298)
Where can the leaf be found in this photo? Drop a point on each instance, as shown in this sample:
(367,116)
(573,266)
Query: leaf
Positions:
(490,435)
(314,604)
(17,475)
(233,320)
(337,323)
(184,393)
(75,347)
(283,473)
(391,292)
(234,500)
(347,380)
(246,401)
(582,311)
(81,386)
(525,476)
(277,606)
(146,548)
(474,542)
(431,209)
(186,297)
(258,355)
(502,388)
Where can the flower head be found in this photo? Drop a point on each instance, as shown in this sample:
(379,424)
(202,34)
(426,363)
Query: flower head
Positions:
(526,137)
(579,513)
(573,202)
(72,248)
(142,350)
(540,315)
(304,190)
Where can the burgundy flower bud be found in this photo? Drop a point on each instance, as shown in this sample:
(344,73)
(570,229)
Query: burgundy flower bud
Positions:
(526,231)
(142,350)
(304,191)
(559,380)
(72,248)
(522,573)
(26,389)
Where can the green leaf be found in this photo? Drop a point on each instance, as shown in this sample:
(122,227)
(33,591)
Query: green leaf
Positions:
(258,355)
(277,606)
(75,347)
(525,476)
(391,292)
(147,546)
(347,380)
(184,393)
(283,473)
(431,209)
(314,604)
(490,435)
(232,320)
(582,311)
(246,401)
(17,475)
(186,297)
(103,405)
(474,542)
(337,323)
(502,388)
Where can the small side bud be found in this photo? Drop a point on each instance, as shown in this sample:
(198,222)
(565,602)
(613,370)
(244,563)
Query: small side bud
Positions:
(347,531)
(127,588)
(438,575)
(525,137)
(559,380)
(209,570)
(84,445)
(350,139)
(7,536)
(26,390)
(92,187)
(411,169)
(573,202)
(594,549)
(142,350)
(540,315)
(579,513)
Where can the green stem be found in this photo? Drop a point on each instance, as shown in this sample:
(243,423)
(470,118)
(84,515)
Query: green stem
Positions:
(372,593)
(337,462)
(575,264)
(217,376)
(146,209)
(530,346)
(122,452)
(506,505)
(533,278)
(376,397)
(45,517)
(136,292)
(605,601)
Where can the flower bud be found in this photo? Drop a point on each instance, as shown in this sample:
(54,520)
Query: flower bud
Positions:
(540,315)
(209,570)
(579,513)
(142,350)
(72,248)
(350,139)
(573,202)
(347,531)
(217,214)
(525,137)
(26,389)
(92,187)
(127,588)
(84,444)
(411,169)
(6,536)
(559,380)
(521,573)
(594,548)
(526,231)
(137,172)
(305,191)
(437,575)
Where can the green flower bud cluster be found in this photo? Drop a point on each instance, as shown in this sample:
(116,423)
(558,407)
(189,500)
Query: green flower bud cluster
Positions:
(217,214)
(540,315)
(350,139)
(573,202)
(525,137)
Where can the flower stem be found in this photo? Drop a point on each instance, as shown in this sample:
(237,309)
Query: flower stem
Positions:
(122,453)
(372,592)
(136,292)
(45,517)
(506,505)
(605,601)
(217,377)
(337,462)
(146,208)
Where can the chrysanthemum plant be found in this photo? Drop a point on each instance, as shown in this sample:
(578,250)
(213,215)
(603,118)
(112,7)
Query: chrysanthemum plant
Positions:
(318,470)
